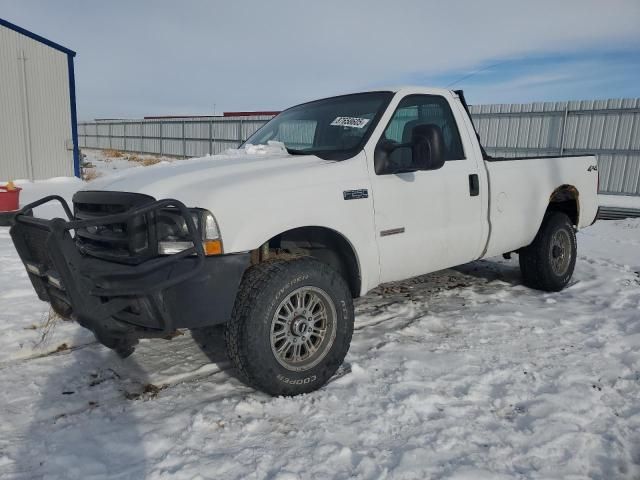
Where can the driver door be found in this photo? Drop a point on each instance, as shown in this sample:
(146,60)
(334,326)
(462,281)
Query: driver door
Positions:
(425,220)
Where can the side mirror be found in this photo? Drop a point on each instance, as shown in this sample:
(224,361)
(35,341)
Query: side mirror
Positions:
(427,152)
(384,160)
(427,147)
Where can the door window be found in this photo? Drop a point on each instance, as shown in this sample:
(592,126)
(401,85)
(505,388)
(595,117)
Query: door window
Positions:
(416,110)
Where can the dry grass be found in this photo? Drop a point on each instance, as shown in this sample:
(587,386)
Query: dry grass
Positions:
(150,161)
(110,154)
(90,174)
(174,334)
(61,348)
(48,326)
(148,392)
(144,161)
(113,153)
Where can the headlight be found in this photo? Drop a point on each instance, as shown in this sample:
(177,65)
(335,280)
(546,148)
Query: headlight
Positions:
(173,234)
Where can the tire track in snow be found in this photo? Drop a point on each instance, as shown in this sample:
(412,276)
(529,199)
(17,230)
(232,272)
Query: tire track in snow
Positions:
(52,353)
(428,293)
(118,394)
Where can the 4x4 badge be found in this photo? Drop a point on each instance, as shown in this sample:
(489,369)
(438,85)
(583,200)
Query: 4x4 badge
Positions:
(592,168)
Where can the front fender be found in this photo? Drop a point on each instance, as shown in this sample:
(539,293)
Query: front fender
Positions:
(252,235)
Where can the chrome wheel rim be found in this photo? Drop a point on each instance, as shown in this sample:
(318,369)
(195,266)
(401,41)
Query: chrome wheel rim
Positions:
(560,252)
(303,328)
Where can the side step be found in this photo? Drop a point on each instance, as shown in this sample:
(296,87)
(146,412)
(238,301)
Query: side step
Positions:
(617,213)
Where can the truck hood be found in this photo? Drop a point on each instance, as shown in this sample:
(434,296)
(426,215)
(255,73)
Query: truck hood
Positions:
(191,180)
(257,196)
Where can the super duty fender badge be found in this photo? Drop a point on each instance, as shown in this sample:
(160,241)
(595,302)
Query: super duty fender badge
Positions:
(592,168)
(355,194)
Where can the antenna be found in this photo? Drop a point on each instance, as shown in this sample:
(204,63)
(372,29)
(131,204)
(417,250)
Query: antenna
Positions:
(476,72)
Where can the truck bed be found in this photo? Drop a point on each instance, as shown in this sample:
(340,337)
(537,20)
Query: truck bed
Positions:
(520,192)
(491,158)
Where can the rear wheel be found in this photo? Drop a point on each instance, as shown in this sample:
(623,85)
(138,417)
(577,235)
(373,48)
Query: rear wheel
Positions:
(291,326)
(548,263)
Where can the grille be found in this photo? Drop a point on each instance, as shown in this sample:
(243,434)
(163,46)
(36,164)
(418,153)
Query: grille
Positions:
(35,240)
(130,242)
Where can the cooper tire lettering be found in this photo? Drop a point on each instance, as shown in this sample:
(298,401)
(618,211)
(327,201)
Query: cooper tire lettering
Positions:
(297,381)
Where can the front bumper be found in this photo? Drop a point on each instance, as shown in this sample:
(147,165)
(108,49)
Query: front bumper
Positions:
(121,303)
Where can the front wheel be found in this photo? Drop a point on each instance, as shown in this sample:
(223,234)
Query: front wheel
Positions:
(291,326)
(548,263)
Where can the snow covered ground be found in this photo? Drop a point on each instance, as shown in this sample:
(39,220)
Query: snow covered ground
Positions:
(461,374)
(623,201)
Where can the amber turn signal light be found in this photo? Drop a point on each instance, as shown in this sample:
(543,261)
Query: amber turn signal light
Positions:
(212,247)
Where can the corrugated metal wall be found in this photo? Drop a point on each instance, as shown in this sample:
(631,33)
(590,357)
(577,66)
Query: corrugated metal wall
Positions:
(608,128)
(35,115)
(182,138)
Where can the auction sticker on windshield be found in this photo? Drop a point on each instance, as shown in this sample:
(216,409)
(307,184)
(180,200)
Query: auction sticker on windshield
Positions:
(353,122)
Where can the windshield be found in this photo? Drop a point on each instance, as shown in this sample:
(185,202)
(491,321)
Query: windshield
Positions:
(334,128)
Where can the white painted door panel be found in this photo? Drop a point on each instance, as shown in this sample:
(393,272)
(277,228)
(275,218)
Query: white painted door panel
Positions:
(427,220)
(402,204)
(441,221)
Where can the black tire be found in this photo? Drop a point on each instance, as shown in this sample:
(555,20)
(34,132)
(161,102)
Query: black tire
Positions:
(250,332)
(548,263)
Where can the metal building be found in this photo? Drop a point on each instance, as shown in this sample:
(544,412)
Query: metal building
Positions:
(38,127)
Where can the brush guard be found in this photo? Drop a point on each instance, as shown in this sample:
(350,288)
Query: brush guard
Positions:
(119,303)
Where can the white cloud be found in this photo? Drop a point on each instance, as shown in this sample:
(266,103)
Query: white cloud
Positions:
(170,57)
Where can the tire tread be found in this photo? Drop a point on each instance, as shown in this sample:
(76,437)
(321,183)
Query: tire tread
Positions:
(254,282)
(534,265)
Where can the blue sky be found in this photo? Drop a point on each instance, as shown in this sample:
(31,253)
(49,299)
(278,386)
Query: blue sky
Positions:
(159,57)
(576,76)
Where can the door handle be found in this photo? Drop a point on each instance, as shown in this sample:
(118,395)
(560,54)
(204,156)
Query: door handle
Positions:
(474,185)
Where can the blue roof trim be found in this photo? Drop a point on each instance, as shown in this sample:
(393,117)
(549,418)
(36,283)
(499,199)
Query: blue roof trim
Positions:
(74,118)
(36,37)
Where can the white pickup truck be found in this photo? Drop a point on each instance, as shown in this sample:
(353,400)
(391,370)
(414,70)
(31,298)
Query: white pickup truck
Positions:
(326,201)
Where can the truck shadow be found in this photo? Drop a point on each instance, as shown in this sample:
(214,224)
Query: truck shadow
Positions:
(211,342)
(83,424)
(506,271)
(91,417)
